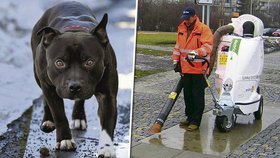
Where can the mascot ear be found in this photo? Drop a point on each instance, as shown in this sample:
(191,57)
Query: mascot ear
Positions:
(48,35)
(100,30)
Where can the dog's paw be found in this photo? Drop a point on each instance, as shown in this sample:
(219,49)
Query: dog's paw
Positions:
(47,126)
(67,145)
(78,124)
(105,149)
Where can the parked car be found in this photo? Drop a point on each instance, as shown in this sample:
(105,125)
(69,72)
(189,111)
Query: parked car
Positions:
(268,31)
(276,33)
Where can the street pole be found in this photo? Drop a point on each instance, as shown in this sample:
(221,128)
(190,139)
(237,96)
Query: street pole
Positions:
(203,13)
(251,7)
(208,15)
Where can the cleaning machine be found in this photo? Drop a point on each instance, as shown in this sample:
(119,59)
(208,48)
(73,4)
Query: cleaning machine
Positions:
(238,48)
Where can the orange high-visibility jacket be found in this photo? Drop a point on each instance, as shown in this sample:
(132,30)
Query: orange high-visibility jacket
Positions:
(199,40)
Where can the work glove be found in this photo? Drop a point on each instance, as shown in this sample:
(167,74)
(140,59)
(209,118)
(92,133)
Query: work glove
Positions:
(176,66)
(192,54)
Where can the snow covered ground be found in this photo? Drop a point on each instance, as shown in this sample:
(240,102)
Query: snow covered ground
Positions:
(17,85)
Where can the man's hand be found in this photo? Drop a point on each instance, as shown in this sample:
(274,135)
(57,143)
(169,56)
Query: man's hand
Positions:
(192,54)
(176,66)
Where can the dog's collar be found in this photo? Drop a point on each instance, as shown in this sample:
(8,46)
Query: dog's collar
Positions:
(76,28)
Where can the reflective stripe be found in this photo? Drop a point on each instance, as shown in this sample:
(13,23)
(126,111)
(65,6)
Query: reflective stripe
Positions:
(177,46)
(185,50)
(203,51)
(176,53)
(209,46)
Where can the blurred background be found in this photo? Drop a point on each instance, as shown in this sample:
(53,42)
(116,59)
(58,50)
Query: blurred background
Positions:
(164,15)
(18,88)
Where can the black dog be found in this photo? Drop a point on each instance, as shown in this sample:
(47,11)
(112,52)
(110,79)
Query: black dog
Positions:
(73,59)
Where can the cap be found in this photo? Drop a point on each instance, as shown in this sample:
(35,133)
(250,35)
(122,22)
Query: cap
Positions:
(188,12)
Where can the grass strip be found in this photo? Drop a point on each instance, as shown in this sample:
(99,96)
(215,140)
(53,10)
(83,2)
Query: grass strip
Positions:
(156,38)
(153,52)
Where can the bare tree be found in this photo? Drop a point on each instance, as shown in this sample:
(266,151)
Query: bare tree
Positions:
(160,15)
(164,15)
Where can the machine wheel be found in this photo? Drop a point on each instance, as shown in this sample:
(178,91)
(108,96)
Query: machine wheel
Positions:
(223,124)
(258,114)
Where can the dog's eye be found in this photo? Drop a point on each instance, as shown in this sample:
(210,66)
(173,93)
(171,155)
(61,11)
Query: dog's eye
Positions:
(59,64)
(89,63)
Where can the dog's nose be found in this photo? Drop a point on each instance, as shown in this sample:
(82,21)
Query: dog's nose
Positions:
(74,88)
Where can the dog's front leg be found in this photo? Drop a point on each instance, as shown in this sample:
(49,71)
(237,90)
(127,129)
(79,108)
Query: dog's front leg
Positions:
(63,134)
(47,125)
(79,120)
(107,111)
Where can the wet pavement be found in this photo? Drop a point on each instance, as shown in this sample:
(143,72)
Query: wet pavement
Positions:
(143,150)
(86,141)
(12,142)
(150,94)
(208,140)
(265,144)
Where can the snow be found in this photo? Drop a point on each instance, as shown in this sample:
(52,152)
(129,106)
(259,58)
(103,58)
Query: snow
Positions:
(17,85)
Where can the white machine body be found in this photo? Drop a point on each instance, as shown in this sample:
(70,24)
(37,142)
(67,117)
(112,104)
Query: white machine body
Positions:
(240,61)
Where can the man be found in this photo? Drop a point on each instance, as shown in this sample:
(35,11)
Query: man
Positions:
(194,39)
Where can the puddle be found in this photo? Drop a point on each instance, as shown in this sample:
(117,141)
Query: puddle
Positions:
(208,140)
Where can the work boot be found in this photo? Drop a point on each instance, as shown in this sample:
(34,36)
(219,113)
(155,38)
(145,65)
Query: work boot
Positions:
(192,127)
(184,122)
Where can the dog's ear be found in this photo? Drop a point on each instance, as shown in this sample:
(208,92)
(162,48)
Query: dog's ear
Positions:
(48,35)
(100,30)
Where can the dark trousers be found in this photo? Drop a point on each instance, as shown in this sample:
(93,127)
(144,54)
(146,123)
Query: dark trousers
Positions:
(194,86)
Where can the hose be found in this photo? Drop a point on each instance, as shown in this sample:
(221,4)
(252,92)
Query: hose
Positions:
(216,41)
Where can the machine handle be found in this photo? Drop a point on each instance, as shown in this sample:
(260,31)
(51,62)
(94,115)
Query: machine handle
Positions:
(197,57)
(204,59)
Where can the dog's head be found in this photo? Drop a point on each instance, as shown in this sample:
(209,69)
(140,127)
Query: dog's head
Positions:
(75,60)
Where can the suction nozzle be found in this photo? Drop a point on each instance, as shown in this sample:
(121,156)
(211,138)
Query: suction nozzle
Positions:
(156,128)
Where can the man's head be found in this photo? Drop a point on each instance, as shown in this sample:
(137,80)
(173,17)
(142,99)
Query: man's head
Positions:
(188,15)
